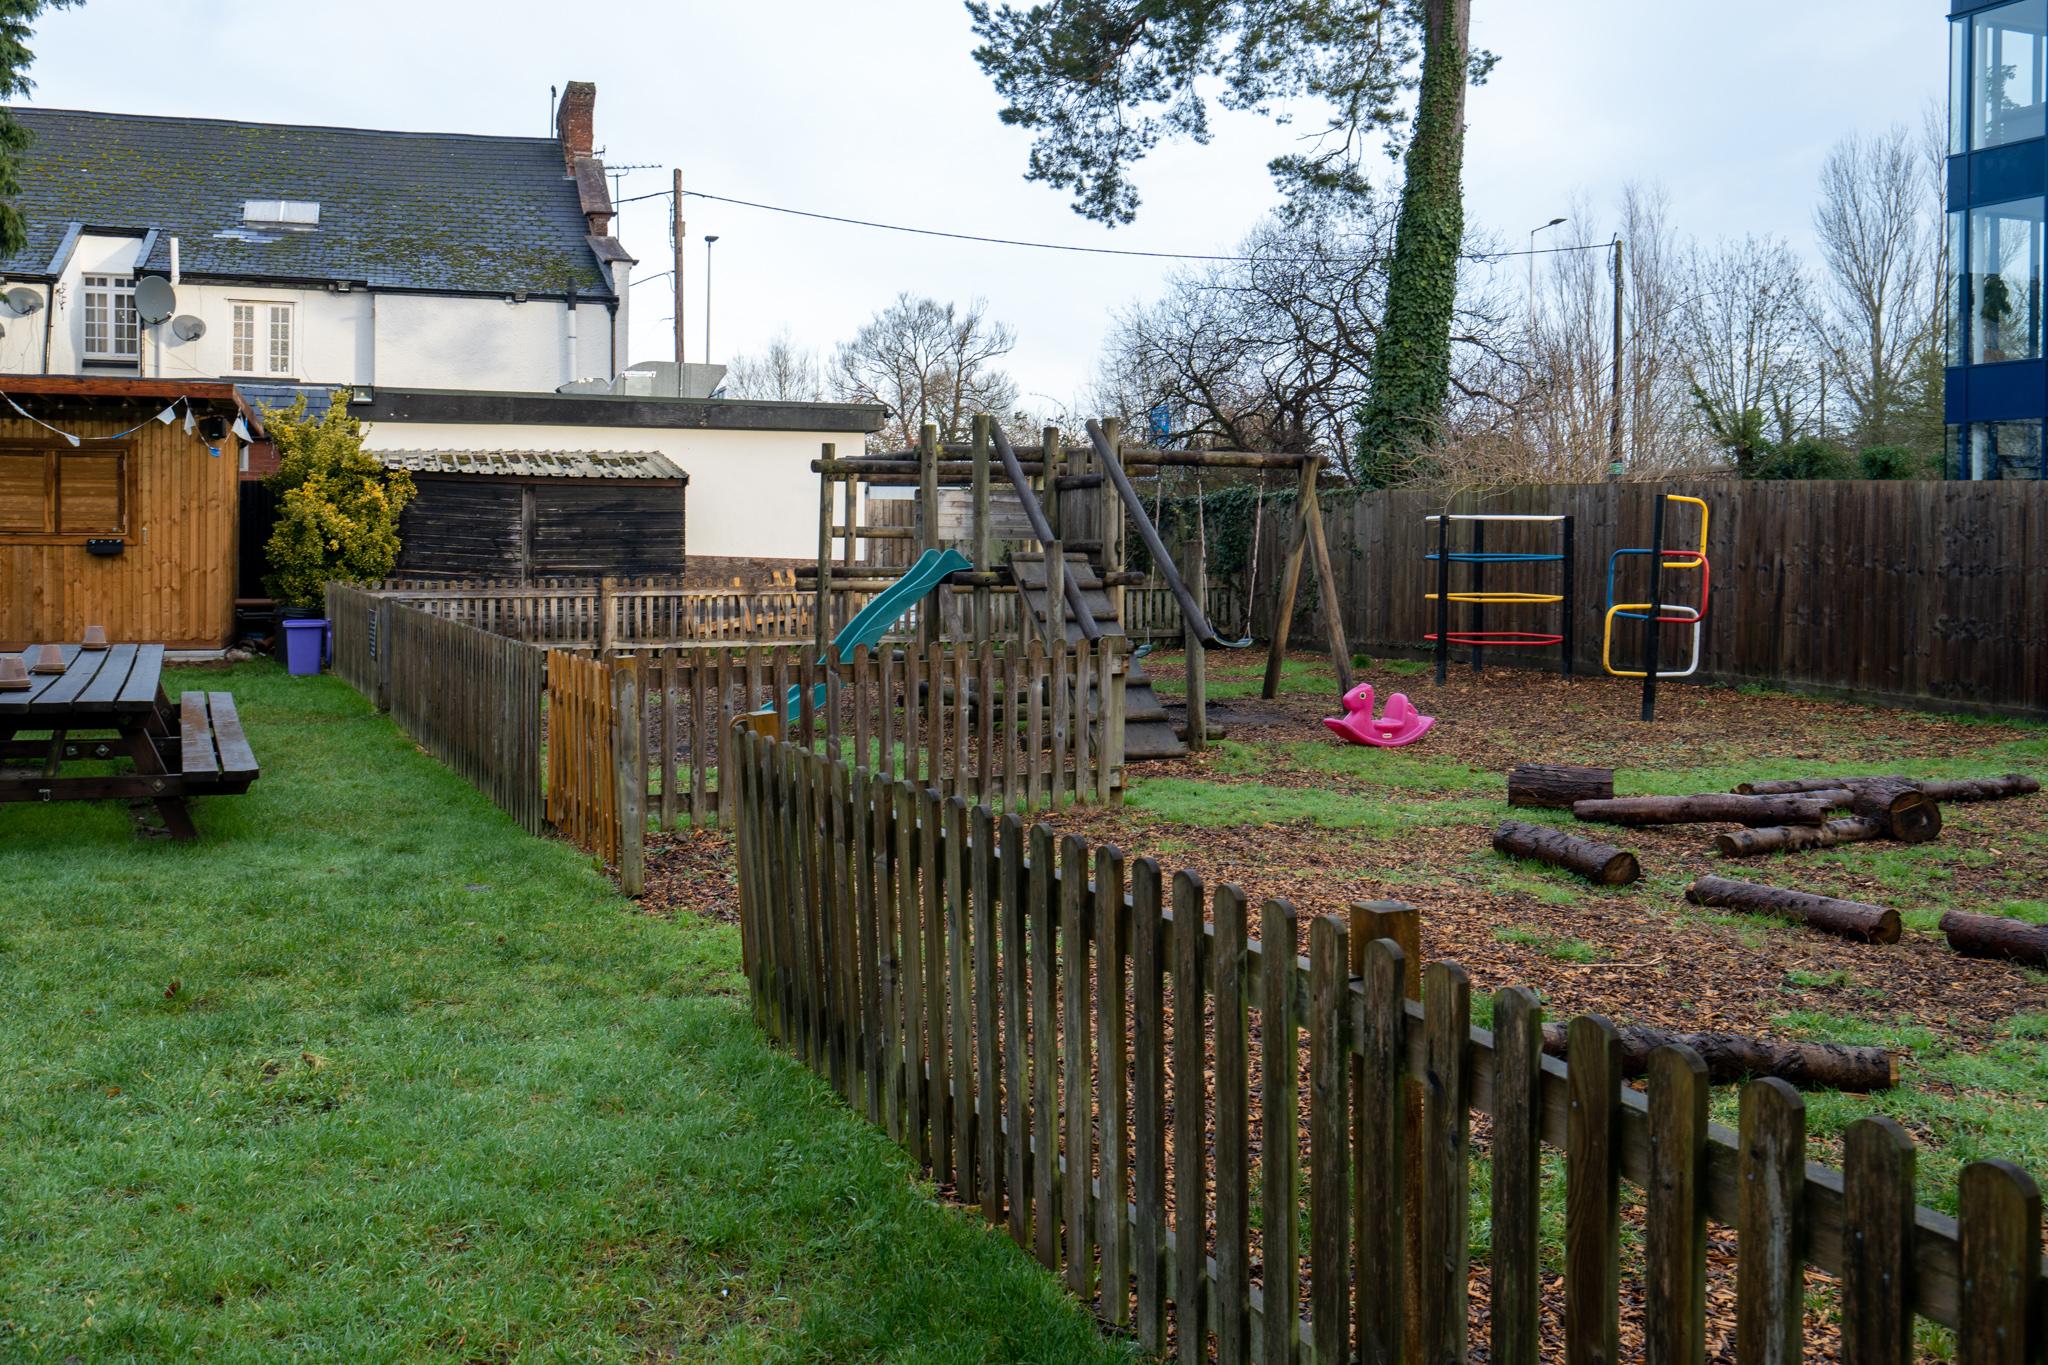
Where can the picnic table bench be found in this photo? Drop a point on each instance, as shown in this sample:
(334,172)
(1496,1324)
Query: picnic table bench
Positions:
(108,704)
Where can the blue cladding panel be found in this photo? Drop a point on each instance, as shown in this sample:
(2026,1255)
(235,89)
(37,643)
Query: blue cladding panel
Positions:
(2017,171)
(1999,393)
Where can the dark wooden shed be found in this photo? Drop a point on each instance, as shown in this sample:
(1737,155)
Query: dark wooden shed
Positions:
(519,514)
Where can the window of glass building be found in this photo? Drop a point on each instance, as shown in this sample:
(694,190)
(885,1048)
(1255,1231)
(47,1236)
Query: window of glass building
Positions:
(2003,450)
(2005,282)
(1956,321)
(2007,99)
(1959,86)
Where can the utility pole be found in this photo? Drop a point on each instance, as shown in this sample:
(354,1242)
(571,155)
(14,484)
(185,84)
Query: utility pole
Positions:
(680,234)
(1614,417)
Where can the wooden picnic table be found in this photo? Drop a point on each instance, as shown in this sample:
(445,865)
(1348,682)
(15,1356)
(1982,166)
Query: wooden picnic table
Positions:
(109,705)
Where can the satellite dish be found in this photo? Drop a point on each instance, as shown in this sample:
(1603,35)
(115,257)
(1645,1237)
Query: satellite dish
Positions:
(188,328)
(22,301)
(155,300)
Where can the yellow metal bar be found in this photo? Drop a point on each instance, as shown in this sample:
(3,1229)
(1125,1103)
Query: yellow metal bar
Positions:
(1508,599)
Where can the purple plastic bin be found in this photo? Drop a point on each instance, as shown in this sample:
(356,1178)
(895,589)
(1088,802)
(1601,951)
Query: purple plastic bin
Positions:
(303,643)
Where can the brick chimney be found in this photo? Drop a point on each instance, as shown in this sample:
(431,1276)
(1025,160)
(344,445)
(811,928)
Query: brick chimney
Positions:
(575,118)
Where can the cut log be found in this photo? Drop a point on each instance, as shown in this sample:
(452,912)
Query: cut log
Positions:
(1907,813)
(1996,936)
(1939,789)
(1556,785)
(1748,843)
(1981,788)
(1733,1057)
(1602,863)
(1711,808)
(1845,919)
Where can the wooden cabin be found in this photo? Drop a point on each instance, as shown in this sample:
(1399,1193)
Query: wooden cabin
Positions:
(134,527)
(522,514)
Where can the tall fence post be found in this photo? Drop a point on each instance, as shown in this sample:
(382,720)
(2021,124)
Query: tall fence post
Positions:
(629,769)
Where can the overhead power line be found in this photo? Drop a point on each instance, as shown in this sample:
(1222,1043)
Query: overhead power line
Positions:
(1056,246)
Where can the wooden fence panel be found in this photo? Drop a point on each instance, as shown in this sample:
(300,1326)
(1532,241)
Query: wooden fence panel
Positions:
(1057,1041)
(1919,592)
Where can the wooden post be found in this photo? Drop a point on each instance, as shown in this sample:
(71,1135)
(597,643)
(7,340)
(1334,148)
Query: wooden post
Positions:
(928,525)
(983,540)
(822,612)
(1197,658)
(607,614)
(1111,528)
(1049,457)
(1290,583)
(1326,576)
(629,769)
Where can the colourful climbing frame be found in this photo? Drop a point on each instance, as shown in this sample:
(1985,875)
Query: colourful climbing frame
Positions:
(1657,611)
(1478,597)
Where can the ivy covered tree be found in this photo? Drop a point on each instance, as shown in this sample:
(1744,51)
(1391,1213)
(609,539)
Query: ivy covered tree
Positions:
(17,20)
(1100,83)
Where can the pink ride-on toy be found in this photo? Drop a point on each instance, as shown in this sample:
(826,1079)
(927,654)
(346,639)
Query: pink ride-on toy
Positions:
(1400,725)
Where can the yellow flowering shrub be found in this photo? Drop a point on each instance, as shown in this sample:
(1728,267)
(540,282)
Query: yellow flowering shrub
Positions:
(337,514)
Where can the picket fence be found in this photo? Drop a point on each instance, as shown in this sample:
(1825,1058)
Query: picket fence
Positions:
(998,999)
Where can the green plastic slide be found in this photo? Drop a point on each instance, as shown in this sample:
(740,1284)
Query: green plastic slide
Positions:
(873,621)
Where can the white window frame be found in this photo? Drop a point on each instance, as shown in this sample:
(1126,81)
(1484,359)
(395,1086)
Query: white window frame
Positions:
(258,351)
(108,306)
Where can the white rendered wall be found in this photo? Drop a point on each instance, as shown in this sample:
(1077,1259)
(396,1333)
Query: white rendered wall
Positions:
(359,337)
(752,493)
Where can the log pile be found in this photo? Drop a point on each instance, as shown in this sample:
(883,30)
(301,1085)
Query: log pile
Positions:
(1937,789)
(1713,808)
(1996,936)
(1748,843)
(1555,786)
(1601,863)
(1854,920)
(1733,1057)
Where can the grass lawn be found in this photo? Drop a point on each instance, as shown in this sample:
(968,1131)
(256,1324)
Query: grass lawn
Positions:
(369,1074)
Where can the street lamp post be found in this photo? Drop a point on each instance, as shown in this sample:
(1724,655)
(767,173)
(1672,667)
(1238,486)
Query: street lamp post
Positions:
(709,238)
(1529,300)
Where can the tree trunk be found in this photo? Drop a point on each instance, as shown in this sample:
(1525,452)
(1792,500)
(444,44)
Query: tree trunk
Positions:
(1602,863)
(1938,789)
(1411,364)
(1557,785)
(1996,936)
(1846,919)
(1711,808)
(1748,843)
(1733,1057)
(1907,813)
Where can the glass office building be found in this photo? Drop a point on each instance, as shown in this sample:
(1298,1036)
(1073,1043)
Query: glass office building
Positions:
(1997,380)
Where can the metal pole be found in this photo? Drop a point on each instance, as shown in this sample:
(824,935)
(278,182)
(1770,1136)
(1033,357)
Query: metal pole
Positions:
(1614,417)
(708,240)
(1478,590)
(1571,573)
(1650,640)
(679,230)
(1443,596)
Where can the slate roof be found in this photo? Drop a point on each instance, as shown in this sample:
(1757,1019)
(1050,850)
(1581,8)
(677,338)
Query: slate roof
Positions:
(432,211)
(268,398)
(556,464)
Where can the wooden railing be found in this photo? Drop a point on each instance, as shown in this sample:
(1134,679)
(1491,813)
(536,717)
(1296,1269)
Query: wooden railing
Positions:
(913,710)
(583,754)
(997,998)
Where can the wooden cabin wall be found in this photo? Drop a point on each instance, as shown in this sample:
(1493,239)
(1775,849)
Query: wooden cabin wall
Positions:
(173,584)
(471,526)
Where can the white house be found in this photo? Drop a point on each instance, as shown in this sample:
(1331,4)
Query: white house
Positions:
(466,291)
(318,256)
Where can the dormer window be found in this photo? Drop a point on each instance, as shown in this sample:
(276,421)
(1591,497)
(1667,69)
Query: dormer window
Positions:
(289,212)
(111,332)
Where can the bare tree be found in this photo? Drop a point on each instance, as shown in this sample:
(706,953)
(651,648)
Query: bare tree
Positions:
(782,371)
(1747,319)
(927,361)
(1878,304)
(1269,353)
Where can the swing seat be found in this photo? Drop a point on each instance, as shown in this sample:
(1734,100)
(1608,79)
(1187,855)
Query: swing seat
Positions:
(1401,724)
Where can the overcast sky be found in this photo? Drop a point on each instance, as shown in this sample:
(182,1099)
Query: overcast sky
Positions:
(875,110)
